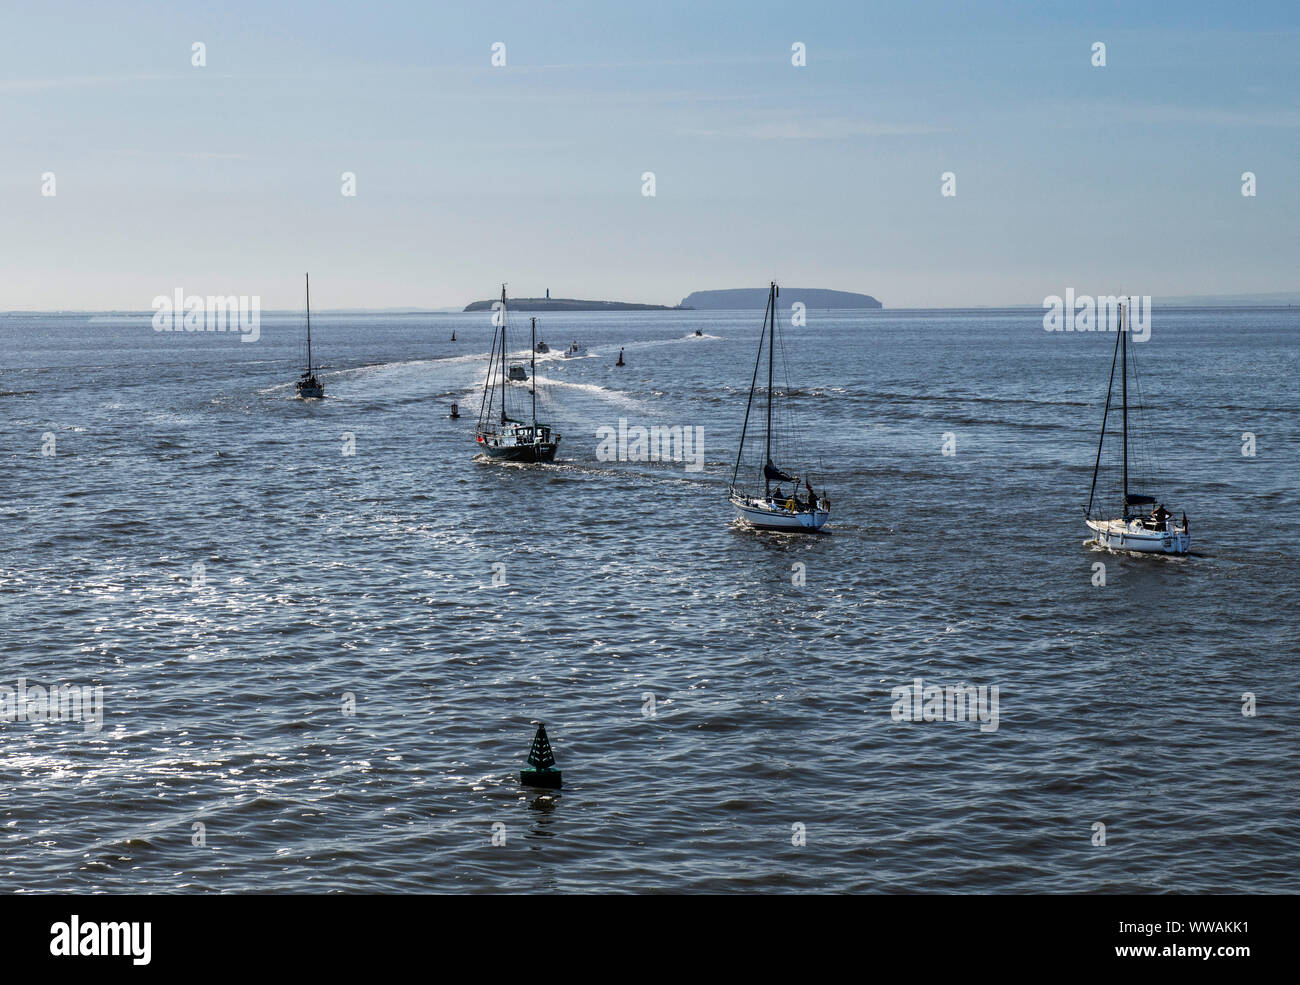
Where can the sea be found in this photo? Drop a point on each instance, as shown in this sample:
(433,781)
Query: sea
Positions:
(303,646)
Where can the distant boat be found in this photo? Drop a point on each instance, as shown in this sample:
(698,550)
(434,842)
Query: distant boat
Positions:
(517,373)
(541,347)
(620,358)
(774,509)
(1136,529)
(573,350)
(698,332)
(498,434)
(308,385)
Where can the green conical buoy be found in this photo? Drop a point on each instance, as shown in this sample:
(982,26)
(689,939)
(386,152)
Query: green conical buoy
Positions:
(542,761)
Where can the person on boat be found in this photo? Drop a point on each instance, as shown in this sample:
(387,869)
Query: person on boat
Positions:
(812,497)
(1159,515)
(1186,529)
(778,496)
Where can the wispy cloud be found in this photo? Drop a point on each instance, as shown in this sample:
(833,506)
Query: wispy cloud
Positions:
(828,128)
(80,81)
(1209,116)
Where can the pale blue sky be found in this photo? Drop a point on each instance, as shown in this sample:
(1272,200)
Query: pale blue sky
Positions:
(226,179)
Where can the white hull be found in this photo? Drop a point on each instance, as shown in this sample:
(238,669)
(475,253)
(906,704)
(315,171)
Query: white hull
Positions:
(1132,536)
(768,516)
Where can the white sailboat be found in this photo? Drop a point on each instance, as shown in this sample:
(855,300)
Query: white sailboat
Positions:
(774,509)
(1143,524)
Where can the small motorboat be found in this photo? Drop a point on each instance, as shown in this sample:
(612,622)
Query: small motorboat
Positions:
(698,332)
(573,350)
(543,347)
(518,374)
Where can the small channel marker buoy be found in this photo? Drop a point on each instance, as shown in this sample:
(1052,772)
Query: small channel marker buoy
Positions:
(453,335)
(455,411)
(542,759)
(620,359)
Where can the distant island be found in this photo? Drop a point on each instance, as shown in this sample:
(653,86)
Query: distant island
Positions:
(738,299)
(569,304)
(756,297)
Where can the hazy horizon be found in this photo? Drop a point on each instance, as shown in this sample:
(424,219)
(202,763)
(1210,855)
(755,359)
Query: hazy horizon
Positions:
(226,178)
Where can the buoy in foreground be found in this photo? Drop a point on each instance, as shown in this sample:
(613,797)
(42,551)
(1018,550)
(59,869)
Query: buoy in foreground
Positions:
(620,359)
(455,410)
(542,761)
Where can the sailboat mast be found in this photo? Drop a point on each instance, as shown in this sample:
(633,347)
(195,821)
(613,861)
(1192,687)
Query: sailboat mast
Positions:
(749,404)
(503,354)
(308,279)
(533,375)
(1123,330)
(1105,417)
(771,338)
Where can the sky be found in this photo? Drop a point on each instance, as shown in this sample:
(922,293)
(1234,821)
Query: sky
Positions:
(227,178)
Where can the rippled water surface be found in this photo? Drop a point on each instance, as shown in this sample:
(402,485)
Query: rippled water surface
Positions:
(700,703)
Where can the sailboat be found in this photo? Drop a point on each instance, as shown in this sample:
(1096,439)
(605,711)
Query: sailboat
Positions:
(774,509)
(308,386)
(498,434)
(1142,525)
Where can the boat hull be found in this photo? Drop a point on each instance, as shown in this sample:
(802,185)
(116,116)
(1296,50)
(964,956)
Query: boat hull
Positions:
(310,391)
(764,516)
(1116,535)
(538,452)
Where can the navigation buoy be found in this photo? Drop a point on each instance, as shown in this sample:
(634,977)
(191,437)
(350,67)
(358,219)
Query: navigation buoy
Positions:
(455,410)
(620,359)
(542,759)
(453,335)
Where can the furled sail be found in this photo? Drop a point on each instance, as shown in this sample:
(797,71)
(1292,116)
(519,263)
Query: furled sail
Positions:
(772,473)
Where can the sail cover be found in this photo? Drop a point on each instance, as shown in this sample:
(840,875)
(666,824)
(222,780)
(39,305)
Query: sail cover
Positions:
(1133,499)
(774,474)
